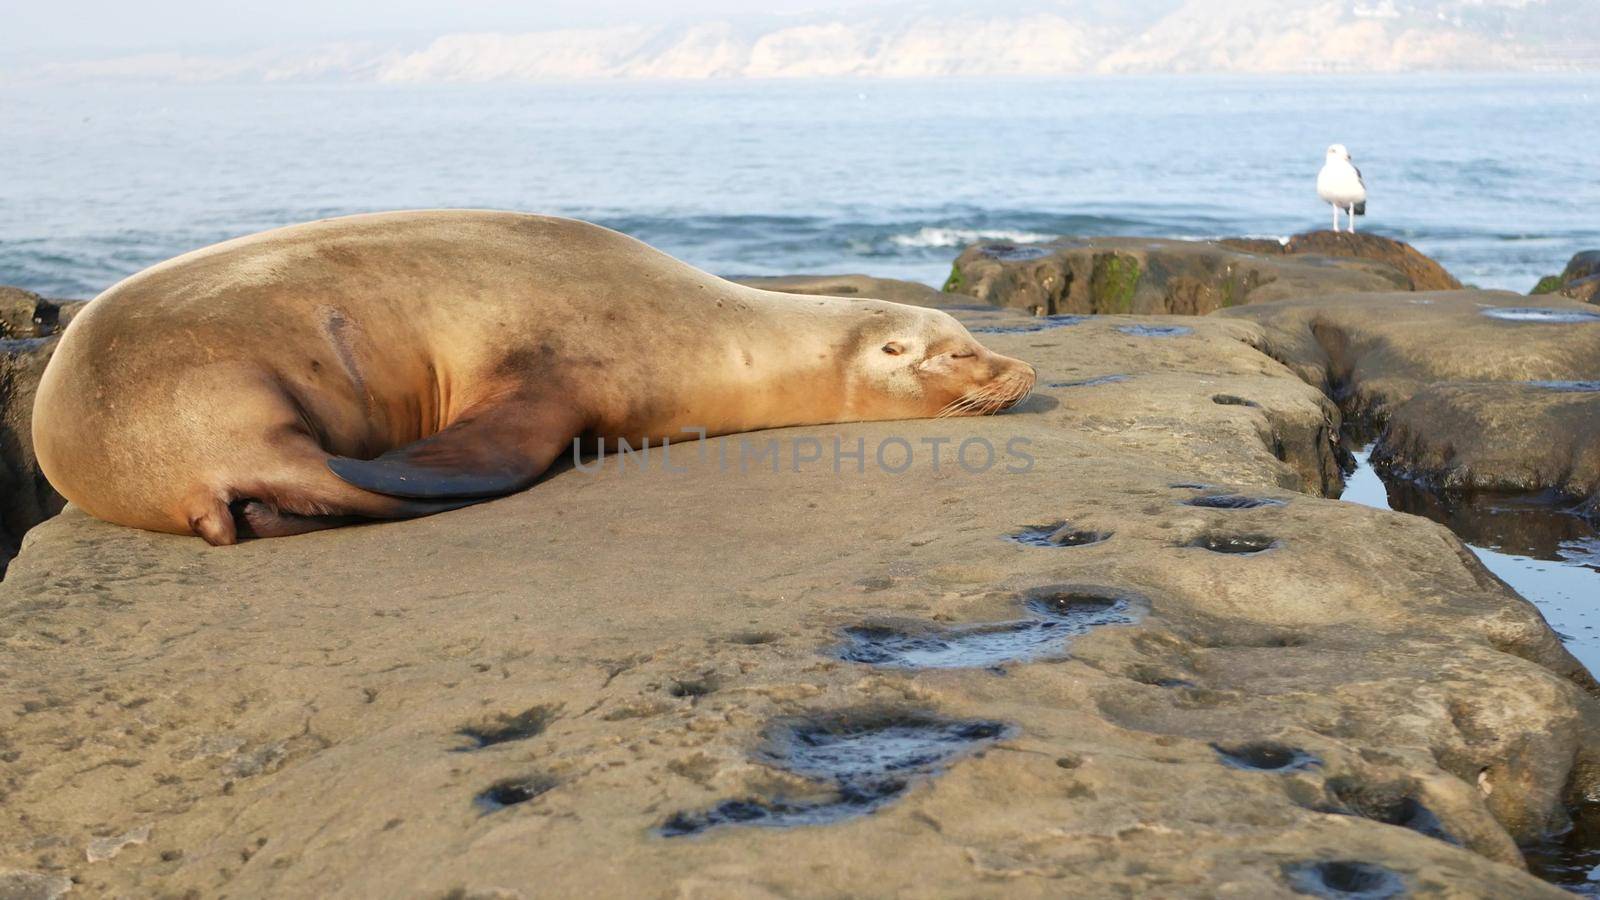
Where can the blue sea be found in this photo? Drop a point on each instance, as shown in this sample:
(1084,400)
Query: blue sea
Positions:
(1493,176)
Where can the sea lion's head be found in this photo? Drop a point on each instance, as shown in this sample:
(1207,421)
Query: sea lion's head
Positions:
(917,363)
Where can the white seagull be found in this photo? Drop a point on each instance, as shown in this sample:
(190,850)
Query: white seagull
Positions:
(1340,184)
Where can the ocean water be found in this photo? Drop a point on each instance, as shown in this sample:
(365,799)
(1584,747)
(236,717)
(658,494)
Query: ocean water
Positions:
(1493,176)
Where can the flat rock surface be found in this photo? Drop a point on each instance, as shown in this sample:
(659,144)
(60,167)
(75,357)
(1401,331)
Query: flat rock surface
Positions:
(517,698)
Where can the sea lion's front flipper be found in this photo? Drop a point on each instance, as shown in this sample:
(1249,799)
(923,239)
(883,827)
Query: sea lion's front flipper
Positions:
(488,453)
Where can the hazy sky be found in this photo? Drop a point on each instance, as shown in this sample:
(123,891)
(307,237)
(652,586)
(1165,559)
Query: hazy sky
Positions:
(31,25)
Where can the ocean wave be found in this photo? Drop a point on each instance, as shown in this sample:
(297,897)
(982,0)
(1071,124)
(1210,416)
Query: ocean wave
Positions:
(960,237)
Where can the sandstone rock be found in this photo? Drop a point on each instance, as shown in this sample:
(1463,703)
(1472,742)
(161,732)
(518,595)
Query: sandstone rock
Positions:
(1481,391)
(1582,265)
(1516,437)
(1421,273)
(1150,275)
(520,696)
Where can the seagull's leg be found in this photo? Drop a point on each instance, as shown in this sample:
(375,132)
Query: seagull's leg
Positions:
(1335,215)
(1351,218)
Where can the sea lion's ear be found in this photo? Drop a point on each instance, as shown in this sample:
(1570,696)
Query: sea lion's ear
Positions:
(489,452)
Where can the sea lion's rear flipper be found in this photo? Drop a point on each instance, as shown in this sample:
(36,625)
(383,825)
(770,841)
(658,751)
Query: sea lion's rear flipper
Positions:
(488,453)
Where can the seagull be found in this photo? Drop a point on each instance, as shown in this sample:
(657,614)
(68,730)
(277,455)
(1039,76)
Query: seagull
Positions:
(1340,184)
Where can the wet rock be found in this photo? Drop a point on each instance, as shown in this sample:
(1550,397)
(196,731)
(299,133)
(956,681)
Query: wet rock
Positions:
(1580,280)
(24,314)
(1510,437)
(26,498)
(28,325)
(1479,390)
(1150,275)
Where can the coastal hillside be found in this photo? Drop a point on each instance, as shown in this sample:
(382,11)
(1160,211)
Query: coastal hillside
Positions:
(917,40)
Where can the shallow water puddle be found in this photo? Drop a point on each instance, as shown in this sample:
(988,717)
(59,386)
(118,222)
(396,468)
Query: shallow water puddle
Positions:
(859,760)
(1239,544)
(1571,860)
(1155,330)
(1058,534)
(1345,879)
(1265,756)
(1088,382)
(1552,315)
(978,646)
(1232,501)
(1037,323)
(1571,387)
(1057,612)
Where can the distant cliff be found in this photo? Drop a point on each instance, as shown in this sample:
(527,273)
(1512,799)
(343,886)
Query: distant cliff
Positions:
(933,40)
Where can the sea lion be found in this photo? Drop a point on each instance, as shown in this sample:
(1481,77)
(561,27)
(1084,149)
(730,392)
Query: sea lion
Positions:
(393,365)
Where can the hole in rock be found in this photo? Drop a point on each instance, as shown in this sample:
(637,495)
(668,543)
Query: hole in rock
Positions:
(1244,544)
(1058,535)
(1389,804)
(501,729)
(1080,607)
(1265,756)
(1234,501)
(513,791)
(863,758)
(1231,400)
(1345,880)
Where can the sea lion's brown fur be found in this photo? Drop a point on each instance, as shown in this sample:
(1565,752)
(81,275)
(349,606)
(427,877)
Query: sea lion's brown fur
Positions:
(439,358)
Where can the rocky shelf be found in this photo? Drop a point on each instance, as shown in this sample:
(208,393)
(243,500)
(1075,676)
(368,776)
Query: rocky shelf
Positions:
(1135,651)
(1151,275)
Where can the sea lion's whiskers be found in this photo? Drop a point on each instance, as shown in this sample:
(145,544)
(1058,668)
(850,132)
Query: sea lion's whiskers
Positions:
(965,402)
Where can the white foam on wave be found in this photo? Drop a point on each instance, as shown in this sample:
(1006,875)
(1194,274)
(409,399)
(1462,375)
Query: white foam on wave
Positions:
(960,237)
